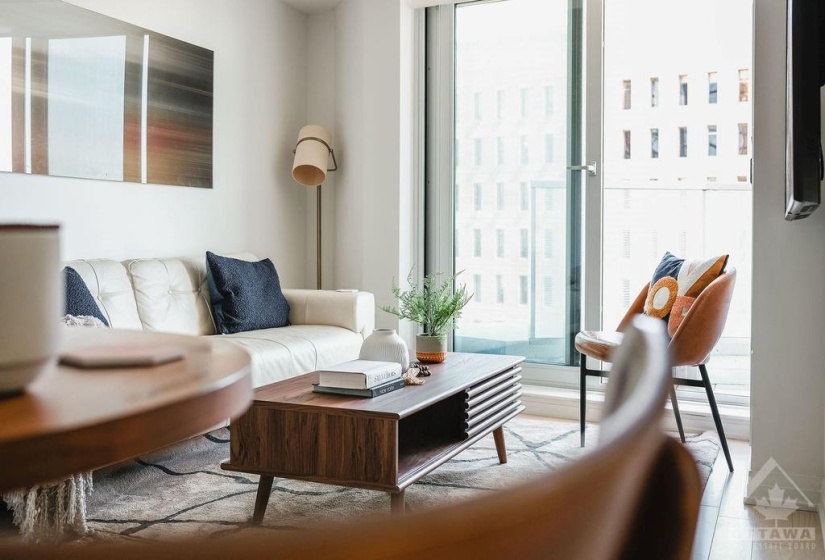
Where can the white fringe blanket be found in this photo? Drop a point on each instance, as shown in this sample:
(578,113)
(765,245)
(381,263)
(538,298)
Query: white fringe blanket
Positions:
(49,513)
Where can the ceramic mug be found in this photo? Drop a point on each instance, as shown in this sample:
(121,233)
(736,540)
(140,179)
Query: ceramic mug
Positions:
(31,303)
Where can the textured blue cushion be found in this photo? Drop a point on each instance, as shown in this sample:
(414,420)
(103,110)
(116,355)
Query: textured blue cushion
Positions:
(79,300)
(246,296)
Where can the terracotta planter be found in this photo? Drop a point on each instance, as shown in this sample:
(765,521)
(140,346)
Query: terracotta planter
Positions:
(430,349)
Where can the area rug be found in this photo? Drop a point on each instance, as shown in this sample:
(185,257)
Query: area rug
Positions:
(181,491)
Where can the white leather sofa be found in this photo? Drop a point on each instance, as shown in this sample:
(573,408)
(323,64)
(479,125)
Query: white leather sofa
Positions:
(172,295)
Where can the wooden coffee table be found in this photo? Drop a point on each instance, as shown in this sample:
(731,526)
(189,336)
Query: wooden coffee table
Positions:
(384,443)
(74,420)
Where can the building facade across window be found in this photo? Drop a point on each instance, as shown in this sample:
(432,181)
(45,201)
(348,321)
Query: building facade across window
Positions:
(626,137)
(744,94)
(626,94)
(713,88)
(743,139)
(712,140)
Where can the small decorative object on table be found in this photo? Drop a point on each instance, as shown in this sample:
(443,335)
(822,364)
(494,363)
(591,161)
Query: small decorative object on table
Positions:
(435,305)
(415,373)
(384,345)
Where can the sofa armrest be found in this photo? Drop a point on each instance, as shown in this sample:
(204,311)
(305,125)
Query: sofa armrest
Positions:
(351,310)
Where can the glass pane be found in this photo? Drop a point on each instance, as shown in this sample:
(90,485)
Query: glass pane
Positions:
(689,193)
(521,275)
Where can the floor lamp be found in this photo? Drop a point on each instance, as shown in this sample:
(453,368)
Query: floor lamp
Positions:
(312,153)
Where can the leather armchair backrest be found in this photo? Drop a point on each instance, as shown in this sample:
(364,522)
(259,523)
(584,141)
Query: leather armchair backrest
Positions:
(702,327)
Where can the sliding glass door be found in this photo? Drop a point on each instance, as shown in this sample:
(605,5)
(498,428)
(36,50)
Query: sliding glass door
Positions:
(516,207)
(569,145)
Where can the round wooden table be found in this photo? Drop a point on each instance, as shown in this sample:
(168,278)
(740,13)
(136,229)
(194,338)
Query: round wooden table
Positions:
(74,420)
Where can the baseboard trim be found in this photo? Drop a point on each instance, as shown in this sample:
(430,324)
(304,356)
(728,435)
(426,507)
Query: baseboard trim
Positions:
(696,417)
(807,491)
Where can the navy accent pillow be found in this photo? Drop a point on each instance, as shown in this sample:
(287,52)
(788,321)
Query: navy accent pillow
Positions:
(668,266)
(246,296)
(79,300)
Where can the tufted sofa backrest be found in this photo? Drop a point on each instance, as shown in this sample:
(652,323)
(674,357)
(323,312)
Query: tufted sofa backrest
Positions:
(168,295)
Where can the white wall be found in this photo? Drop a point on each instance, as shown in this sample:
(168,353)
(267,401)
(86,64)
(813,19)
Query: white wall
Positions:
(321,110)
(373,121)
(788,369)
(260,103)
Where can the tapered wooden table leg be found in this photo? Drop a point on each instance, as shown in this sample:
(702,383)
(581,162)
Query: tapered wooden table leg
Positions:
(501,449)
(262,499)
(397,503)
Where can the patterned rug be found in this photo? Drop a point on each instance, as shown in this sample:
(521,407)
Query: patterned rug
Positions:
(181,491)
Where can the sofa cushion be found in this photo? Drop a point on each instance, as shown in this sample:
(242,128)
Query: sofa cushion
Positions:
(79,300)
(281,353)
(171,295)
(246,295)
(109,284)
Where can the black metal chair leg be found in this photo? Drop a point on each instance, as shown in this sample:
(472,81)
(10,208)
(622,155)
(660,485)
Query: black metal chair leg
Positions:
(678,416)
(582,394)
(716,418)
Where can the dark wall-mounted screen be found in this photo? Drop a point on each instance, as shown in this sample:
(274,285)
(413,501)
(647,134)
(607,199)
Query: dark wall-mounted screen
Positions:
(85,95)
(803,157)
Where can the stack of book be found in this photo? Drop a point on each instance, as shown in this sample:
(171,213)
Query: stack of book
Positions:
(360,378)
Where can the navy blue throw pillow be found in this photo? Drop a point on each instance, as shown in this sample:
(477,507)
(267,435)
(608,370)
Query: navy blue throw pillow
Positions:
(246,296)
(79,300)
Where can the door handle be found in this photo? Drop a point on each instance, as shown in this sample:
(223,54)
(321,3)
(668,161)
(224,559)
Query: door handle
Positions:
(591,168)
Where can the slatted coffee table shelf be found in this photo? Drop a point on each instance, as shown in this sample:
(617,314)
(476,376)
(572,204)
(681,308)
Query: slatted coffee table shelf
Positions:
(385,443)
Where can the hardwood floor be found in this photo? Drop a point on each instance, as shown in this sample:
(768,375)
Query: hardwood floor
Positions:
(728,528)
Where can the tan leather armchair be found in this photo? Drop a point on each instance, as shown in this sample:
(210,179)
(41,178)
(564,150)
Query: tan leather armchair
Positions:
(691,345)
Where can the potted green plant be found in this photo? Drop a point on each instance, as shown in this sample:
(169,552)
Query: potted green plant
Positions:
(435,306)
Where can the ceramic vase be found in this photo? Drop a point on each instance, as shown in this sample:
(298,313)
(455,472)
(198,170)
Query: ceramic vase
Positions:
(32,303)
(385,345)
(430,349)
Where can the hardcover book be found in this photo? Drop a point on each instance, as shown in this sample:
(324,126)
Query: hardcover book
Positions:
(376,391)
(359,374)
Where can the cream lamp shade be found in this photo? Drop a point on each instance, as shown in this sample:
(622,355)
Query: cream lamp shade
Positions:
(312,153)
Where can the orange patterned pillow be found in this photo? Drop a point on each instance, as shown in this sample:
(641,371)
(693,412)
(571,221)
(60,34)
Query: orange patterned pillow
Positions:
(675,285)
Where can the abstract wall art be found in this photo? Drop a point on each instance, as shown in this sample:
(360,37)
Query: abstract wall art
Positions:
(85,95)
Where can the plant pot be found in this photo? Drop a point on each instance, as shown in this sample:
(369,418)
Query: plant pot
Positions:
(384,345)
(430,349)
